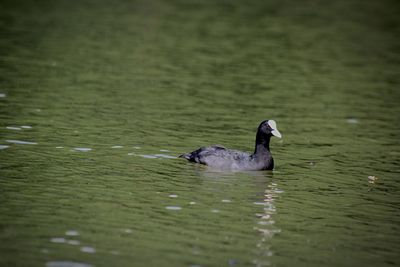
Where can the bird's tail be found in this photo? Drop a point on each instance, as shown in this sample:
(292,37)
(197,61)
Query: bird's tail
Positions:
(185,156)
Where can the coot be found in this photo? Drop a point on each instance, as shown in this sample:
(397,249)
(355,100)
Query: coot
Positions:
(219,157)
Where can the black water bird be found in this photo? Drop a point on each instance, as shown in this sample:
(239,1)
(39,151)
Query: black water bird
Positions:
(219,157)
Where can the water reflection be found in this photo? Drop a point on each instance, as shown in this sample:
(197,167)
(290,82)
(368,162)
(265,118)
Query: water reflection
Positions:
(73,242)
(58,240)
(87,249)
(164,156)
(72,233)
(265,225)
(67,264)
(82,149)
(152,156)
(352,120)
(18,128)
(21,142)
(13,128)
(173,208)
(262,191)
(148,156)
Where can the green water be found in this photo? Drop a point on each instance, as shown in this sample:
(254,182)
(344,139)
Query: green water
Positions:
(129,80)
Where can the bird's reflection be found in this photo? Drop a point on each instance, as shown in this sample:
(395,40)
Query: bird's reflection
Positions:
(264,191)
(267,193)
(266,224)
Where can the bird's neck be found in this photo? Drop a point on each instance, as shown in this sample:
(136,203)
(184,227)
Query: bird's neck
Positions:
(262,144)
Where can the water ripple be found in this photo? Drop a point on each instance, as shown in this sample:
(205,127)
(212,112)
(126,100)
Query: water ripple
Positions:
(13,128)
(73,242)
(164,156)
(148,156)
(173,208)
(59,240)
(88,249)
(67,264)
(21,142)
(72,233)
(82,149)
(156,156)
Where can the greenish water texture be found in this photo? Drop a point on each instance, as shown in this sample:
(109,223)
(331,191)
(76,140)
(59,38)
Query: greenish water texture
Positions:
(97,98)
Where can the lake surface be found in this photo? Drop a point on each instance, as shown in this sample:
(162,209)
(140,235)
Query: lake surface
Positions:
(97,98)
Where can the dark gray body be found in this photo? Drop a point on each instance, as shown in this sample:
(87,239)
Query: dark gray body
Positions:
(219,157)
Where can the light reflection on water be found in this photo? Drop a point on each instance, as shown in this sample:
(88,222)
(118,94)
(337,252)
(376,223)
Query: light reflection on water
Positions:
(58,240)
(20,142)
(173,208)
(67,264)
(13,128)
(266,226)
(152,156)
(72,233)
(73,242)
(82,149)
(87,249)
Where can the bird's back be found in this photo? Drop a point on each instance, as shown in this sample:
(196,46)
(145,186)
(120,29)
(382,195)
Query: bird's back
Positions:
(219,157)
